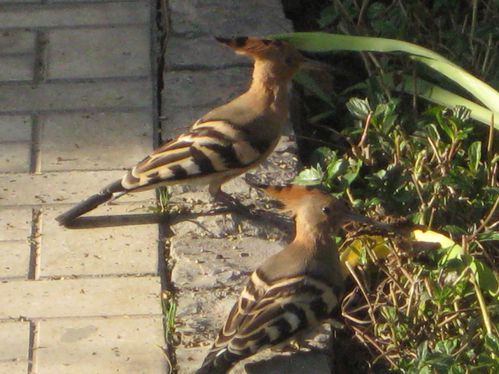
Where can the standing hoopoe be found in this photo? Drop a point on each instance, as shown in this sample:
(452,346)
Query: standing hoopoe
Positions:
(294,290)
(224,143)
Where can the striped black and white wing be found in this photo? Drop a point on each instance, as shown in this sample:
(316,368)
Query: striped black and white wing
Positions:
(208,149)
(267,315)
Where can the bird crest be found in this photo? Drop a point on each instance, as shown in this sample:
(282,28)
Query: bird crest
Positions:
(252,46)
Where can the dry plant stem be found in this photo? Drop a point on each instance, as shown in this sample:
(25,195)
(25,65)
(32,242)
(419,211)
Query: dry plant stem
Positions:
(356,320)
(383,354)
(485,221)
(490,141)
(362,289)
(483,306)
(364,133)
(418,190)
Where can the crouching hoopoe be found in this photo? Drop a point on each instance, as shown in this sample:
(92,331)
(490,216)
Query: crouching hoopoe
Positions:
(225,142)
(292,291)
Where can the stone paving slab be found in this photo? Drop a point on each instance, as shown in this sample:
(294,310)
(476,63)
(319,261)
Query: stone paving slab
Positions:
(190,359)
(17,334)
(111,140)
(187,53)
(76,96)
(13,367)
(104,346)
(17,42)
(15,129)
(86,53)
(200,314)
(80,297)
(15,224)
(296,363)
(14,259)
(212,263)
(16,68)
(89,14)
(202,88)
(97,251)
(64,187)
(15,158)
(14,355)
(196,17)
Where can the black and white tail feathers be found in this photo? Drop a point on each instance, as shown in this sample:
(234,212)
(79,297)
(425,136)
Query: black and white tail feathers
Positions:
(91,203)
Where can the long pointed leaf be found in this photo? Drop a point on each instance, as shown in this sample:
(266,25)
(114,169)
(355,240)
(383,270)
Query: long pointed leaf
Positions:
(438,95)
(324,42)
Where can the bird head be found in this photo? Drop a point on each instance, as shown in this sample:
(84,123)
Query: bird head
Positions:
(312,207)
(278,56)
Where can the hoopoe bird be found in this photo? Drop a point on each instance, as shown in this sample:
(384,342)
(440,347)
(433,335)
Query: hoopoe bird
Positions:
(293,291)
(224,143)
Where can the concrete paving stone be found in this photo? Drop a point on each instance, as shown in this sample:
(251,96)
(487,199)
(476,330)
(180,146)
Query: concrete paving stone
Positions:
(266,361)
(190,359)
(15,128)
(212,263)
(17,334)
(16,68)
(97,251)
(269,362)
(201,314)
(17,42)
(15,158)
(103,346)
(15,224)
(175,122)
(14,259)
(81,141)
(202,52)
(123,296)
(203,88)
(13,367)
(83,96)
(89,14)
(61,187)
(233,17)
(86,53)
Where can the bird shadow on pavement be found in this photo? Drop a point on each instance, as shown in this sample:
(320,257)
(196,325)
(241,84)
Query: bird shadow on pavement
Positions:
(170,219)
(297,363)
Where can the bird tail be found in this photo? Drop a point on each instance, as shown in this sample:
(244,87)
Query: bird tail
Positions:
(91,203)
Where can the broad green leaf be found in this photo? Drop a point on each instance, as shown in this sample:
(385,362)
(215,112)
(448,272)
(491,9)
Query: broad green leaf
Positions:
(336,168)
(484,276)
(474,155)
(359,108)
(309,177)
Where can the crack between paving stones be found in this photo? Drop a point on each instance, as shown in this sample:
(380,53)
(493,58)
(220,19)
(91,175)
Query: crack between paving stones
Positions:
(159,33)
(35,164)
(34,340)
(35,245)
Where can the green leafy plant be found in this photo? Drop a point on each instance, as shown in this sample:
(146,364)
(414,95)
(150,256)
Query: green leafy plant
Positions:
(419,308)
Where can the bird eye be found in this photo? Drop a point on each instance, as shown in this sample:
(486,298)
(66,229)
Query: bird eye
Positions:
(326,210)
(289,60)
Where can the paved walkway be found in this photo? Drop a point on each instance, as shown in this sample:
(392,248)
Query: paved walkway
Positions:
(79,101)
(76,107)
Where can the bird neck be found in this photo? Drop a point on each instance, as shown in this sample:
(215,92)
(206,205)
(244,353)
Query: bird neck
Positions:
(310,236)
(269,88)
